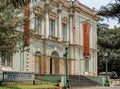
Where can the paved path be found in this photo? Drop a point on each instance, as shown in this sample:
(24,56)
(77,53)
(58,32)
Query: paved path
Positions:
(112,87)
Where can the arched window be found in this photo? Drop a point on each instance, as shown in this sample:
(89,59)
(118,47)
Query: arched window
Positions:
(54,54)
(37,53)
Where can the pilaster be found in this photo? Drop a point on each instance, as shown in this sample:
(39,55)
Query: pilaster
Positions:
(71,31)
(42,27)
(62,66)
(74,27)
(32,15)
(47,65)
(57,66)
(44,65)
(46,25)
(59,23)
(70,67)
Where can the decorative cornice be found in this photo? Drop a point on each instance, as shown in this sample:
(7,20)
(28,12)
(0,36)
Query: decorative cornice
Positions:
(79,7)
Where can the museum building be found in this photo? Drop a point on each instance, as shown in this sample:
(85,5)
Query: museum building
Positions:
(55,25)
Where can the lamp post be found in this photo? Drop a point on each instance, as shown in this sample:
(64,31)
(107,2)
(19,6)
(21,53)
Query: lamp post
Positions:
(107,80)
(67,85)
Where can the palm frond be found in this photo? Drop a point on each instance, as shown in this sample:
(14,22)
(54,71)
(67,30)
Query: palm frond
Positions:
(17,3)
(111,10)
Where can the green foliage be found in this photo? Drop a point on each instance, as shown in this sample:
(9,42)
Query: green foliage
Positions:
(111,10)
(10,20)
(17,3)
(109,41)
(109,38)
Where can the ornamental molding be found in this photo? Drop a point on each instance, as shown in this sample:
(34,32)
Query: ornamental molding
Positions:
(37,10)
(36,49)
(49,51)
(65,20)
(52,15)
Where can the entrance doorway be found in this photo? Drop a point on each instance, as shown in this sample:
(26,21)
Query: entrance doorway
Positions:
(54,63)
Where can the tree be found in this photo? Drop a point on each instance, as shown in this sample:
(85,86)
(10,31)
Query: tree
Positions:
(17,3)
(10,20)
(109,41)
(111,10)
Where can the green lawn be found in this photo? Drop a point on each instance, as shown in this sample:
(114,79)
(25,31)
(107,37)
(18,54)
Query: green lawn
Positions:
(28,87)
(4,88)
(40,84)
(33,87)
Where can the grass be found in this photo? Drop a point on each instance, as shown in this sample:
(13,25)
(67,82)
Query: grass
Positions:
(41,84)
(28,87)
(33,86)
(3,87)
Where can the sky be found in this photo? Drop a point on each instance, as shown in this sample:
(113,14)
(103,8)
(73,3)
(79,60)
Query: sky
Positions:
(97,4)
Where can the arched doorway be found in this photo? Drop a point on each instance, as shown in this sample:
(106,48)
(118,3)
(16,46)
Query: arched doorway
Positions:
(37,62)
(54,63)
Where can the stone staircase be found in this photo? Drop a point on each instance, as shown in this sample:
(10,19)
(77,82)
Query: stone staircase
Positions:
(79,80)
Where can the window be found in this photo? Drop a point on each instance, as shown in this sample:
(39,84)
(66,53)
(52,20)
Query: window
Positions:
(52,27)
(64,32)
(37,26)
(3,60)
(6,60)
(86,65)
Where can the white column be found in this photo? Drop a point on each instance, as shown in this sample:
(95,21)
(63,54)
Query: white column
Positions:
(32,15)
(42,27)
(46,32)
(56,28)
(59,26)
(68,32)
(75,27)
(71,31)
